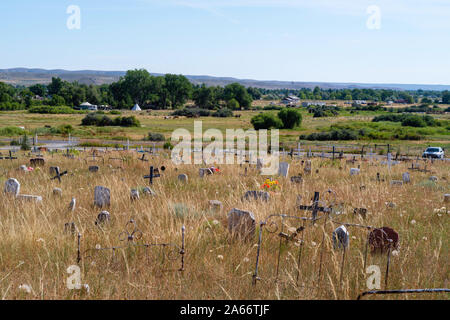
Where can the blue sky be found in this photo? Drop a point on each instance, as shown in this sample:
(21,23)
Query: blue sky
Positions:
(296,40)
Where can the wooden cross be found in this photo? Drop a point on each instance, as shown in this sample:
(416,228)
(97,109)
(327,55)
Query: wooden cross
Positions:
(59,174)
(143,158)
(154,173)
(315,207)
(10,156)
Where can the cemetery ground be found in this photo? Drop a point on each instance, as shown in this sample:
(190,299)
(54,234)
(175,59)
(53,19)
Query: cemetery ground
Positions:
(36,249)
(48,127)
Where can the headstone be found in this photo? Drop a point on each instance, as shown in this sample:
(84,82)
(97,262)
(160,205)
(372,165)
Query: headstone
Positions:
(360,211)
(256,195)
(446,197)
(296,179)
(396,182)
(103,217)
(72,204)
(53,170)
(381,239)
(307,169)
(12,187)
(259,163)
(134,194)
(93,168)
(102,196)
(148,191)
(283,169)
(70,228)
(183,177)
(241,224)
(37,162)
(406,177)
(433,178)
(354,171)
(340,237)
(26,197)
(203,171)
(391,205)
(57,192)
(23,168)
(216,204)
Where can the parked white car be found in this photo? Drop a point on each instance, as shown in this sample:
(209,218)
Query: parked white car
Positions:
(434,152)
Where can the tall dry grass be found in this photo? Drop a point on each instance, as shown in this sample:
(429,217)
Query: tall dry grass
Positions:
(35,250)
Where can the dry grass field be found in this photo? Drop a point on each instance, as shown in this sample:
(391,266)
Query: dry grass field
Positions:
(36,251)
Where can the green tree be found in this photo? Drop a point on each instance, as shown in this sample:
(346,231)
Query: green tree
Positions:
(291,118)
(446,97)
(178,89)
(233,104)
(238,92)
(266,121)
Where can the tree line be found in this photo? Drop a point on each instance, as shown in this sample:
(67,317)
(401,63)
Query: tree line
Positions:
(173,91)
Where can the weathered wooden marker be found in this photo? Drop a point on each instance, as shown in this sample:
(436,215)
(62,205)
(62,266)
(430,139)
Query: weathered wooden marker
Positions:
(154,173)
(59,174)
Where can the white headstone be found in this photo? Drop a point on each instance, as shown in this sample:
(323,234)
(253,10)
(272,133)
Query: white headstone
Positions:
(241,223)
(183,177)
(406,177)
(340,237)
(12,187)
(283,169)
(134,194)
(354,171)
(102,196)
(26,197)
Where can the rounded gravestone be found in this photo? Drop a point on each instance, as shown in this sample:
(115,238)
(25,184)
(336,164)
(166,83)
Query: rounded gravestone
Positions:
(57,192)
(183,177)
(12,187)
(103,217)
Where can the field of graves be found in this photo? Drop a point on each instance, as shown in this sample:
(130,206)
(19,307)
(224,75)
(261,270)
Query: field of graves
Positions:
(166,239)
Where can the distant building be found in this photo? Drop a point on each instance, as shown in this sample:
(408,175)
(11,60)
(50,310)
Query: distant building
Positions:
(290,100)
(313,103)
(360,101)
(87,106)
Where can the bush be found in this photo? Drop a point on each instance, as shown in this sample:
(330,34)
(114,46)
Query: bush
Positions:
(96,119)
(24,145)
(291,118)
(116,112)
(334,135)
(155,137)
(266,121)
(413,121)
(11,131)
(223,113)
(53,110)
(168,146)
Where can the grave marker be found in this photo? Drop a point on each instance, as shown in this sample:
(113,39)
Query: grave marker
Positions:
(241,223)
(102,196)
(283,169)
(12,187)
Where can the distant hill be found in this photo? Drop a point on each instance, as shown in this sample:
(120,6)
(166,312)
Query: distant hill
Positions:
(25,76)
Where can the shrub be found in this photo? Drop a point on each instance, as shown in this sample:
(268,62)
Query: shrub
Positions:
(53,110)
(290,117)
(11,131)
(168,146)
(24,145)
(115,112)
(414,121)
(96,119)
(266,121)
(155,137)
(223,113)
